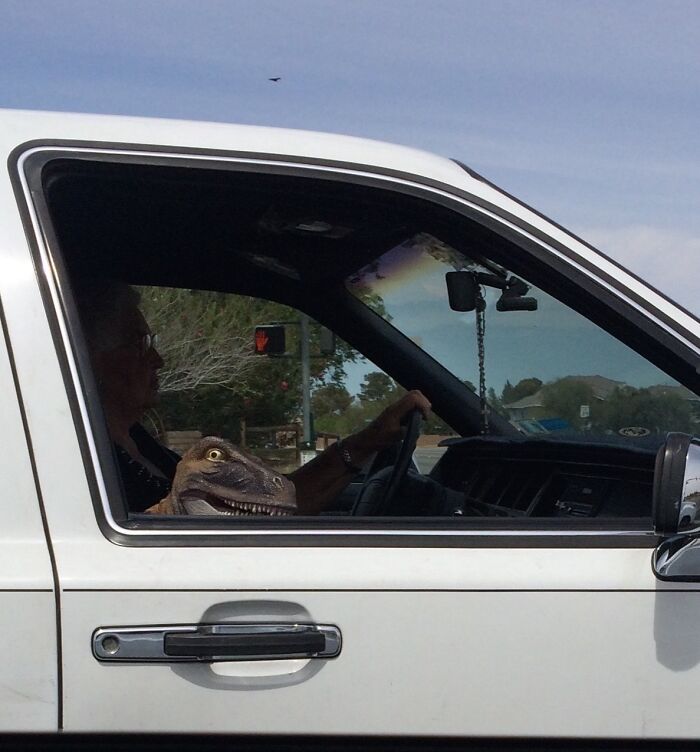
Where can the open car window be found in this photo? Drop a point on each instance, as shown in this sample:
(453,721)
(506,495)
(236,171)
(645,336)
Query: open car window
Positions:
(570,417)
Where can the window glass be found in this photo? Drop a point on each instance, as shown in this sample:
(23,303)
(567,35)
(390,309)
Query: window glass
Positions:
(546,368)
(183,362)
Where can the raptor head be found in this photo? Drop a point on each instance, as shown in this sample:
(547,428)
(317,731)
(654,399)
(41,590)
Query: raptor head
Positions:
(214,477)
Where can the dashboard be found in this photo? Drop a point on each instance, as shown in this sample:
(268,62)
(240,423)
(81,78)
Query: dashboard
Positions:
(507,477)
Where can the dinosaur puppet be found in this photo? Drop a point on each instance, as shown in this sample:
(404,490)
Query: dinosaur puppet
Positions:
(215,477)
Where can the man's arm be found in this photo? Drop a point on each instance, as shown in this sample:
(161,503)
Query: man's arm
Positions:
(318,482)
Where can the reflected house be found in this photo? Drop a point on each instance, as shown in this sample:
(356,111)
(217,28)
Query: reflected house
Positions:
(532,407)
(530,415)
(527,408)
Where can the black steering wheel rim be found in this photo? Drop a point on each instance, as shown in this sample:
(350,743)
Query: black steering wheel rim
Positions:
(403,462)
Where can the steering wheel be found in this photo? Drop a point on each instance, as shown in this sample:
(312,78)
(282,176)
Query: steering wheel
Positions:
(378,493)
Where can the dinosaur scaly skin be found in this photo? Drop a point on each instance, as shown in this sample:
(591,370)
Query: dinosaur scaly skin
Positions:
(216,478)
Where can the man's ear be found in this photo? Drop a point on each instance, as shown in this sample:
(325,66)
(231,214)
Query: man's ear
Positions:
(100,366)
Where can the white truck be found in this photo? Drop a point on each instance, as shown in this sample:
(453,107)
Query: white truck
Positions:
(552,591)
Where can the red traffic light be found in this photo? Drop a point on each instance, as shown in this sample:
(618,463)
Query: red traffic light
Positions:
(270,340)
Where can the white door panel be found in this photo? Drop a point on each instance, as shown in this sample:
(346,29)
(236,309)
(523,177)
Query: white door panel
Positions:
(587,663)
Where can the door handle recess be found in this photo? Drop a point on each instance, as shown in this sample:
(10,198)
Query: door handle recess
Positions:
(208,643)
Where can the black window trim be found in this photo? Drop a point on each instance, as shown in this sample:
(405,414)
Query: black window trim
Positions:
(327,532)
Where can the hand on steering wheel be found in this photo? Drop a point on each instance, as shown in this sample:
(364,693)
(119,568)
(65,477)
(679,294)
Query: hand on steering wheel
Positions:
(378,494)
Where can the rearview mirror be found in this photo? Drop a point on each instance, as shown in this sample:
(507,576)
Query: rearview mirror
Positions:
(462,290)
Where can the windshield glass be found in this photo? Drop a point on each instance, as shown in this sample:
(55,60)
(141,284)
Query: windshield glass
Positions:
(549,371)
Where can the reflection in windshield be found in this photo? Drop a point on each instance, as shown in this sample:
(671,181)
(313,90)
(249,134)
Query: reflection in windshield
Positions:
(549,371)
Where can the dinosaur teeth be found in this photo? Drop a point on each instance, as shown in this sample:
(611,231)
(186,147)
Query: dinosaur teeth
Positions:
(247,509)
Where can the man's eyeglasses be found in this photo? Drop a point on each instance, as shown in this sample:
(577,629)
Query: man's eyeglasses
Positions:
(148,342)
(144,342)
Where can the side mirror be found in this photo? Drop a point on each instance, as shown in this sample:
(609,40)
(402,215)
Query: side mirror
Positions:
(676,509)
(676,504)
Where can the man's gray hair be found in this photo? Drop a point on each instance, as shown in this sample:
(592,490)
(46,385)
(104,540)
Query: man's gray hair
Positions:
(103,305)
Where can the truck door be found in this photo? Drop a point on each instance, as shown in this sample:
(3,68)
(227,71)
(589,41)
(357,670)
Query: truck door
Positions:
(479,627)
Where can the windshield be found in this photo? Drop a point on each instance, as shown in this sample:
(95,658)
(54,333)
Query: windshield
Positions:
(546,368)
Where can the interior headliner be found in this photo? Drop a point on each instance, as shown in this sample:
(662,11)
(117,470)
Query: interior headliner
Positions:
(220,229)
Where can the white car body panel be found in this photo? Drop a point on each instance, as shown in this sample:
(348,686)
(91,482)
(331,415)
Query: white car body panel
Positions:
(495,641)
(28,658)
(29,689)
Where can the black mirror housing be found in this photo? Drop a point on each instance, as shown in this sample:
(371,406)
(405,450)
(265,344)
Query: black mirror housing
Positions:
(676,509)
(669,473)
(462,290)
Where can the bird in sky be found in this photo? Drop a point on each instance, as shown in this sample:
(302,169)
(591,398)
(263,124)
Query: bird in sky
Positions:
(275,79)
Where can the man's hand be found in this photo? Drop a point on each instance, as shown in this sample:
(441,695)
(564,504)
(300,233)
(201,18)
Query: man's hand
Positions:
(386,428)
(322,479)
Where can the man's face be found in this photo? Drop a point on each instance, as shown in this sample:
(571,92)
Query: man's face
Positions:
(128,373)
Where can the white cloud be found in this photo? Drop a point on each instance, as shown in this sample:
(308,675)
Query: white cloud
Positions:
(669,260)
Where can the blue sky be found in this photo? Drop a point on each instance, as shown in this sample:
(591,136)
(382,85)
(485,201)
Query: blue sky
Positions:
(587,109)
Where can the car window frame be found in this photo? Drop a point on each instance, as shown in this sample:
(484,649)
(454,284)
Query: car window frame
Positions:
(27,163)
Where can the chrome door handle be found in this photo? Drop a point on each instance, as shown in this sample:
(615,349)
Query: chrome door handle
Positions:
(209,643)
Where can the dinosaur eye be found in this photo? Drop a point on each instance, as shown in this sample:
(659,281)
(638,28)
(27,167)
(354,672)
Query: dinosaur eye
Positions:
(215,455)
